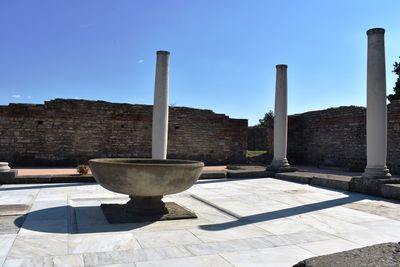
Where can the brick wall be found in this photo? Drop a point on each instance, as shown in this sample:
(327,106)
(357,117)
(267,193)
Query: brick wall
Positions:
(257,138)
(66,132)
(331,137)
(394,137)
(336,137)
(260,138)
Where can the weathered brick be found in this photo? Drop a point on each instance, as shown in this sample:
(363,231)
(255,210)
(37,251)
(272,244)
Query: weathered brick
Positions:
(72,131)
(336,137)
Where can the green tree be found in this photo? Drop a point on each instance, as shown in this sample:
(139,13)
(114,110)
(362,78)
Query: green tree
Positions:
(396,88)
(268,118)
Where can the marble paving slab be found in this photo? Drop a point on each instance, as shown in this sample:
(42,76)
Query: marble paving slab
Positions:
(11,224)
(255,222)
(13,209)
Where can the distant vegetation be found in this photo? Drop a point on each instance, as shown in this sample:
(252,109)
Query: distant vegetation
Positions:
(268,119)
(396,96)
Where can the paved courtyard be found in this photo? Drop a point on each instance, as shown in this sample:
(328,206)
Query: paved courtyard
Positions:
(251,222)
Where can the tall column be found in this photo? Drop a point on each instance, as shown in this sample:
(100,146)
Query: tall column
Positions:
(280,120)
(160,107)
(376,106)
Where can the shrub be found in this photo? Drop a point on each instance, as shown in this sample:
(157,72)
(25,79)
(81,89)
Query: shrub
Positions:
(83,169)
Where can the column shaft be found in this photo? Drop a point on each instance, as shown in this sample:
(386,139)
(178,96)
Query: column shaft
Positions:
(376,106)
(160,107)
(280,118)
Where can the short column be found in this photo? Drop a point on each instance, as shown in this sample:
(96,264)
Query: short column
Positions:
(160,107)
(7,175)
(4,167)
(376,106)
(279,161)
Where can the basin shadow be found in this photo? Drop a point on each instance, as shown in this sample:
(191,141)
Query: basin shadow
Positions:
(72,220)
(284,213)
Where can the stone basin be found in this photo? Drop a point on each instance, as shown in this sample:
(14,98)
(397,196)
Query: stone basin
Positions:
(146,181)
(145,177)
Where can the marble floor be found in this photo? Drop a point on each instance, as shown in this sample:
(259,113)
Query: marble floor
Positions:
(248,222)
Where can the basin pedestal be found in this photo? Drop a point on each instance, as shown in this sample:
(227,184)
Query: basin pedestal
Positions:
(147,206)
(145,209)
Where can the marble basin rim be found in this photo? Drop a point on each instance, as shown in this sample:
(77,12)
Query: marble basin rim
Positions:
(141,177)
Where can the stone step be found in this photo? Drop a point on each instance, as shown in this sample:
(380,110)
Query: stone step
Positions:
(339,182)
(386,254)
(249,174)
(389,187)
(213,174)
(391,191)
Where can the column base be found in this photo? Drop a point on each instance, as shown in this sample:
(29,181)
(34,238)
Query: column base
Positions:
(376,172)
(4,167)
(280,165)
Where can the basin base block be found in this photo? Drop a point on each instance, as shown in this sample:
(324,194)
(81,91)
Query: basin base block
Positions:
(145,209)
(146,206)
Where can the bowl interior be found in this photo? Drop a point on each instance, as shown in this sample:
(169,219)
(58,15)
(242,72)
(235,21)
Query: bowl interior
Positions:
(130,161)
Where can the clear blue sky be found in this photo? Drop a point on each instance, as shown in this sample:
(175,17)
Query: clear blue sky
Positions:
(223,52)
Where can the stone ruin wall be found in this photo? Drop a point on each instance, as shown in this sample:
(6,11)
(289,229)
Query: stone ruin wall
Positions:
(331,137)
(69,132)
(257,138)
(337,137)
(260,138)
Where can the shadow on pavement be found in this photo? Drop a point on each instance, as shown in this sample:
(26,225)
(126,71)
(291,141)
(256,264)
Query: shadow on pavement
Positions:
(72,220)
(284,213)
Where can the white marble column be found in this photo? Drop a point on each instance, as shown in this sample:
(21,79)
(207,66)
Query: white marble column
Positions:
(376,106)
(160,108)
(280,119)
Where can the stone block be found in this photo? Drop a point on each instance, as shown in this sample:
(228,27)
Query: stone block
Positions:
(331,181)
(213,175)
(8,177)
(386,254)
(286,169)
(391,191)
(370,186)
(281,169)
(249,174)
(297,177)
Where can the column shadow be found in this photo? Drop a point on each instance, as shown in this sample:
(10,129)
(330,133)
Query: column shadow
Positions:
(284,213)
